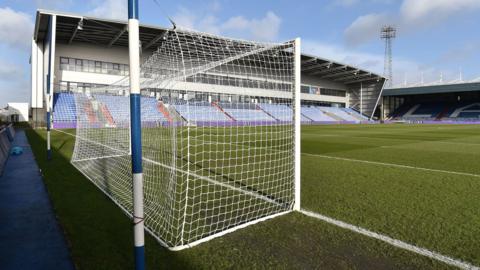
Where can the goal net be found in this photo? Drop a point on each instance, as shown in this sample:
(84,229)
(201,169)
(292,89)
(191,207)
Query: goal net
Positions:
(218,136)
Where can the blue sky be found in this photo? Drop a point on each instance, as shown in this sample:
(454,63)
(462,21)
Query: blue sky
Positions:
(434,36)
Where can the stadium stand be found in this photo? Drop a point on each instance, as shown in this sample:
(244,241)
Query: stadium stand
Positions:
(339,113)
(201,111)
(279,112)
(112,109)
(64,108)
(332,115)
(116,105)
(305,120)
(116,108)
(316,115)
(462,111)
(245,112)
(355,114)
(150,110)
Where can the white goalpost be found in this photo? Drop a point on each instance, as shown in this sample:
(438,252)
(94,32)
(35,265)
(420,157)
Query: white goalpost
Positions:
(220,136)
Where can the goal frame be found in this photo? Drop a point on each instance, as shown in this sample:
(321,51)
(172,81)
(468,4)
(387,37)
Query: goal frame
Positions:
(294,204)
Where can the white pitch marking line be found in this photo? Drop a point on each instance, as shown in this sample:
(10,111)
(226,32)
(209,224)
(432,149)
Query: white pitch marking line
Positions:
(394,242)
(379,138)
(256,195)
(394,165)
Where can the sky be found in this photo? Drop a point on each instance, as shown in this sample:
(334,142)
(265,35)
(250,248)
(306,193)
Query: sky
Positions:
(435,38)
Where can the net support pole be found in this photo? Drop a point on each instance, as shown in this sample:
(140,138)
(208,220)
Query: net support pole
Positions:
(50,78)
(297,119)
(361,98)
(136,134)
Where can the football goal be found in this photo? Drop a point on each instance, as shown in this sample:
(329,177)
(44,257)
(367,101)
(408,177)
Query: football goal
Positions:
(220,136)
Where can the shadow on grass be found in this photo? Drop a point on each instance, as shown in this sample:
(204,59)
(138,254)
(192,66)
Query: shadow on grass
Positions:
(101,235)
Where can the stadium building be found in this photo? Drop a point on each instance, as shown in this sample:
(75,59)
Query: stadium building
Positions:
(456,102)
(73,53)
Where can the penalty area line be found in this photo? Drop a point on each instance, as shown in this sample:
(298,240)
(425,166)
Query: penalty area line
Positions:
(391,241)
(393,165)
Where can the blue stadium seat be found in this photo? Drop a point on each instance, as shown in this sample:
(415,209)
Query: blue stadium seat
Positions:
(200,111)
(64,110)
(245,112)
(315,114)
(280,112)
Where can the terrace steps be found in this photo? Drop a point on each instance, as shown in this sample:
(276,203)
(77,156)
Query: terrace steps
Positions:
(106,114)
(161,108)
(443,113)
(267,113)
(356,116)
(307,117)
(334,116)
(216,105)
(92,118)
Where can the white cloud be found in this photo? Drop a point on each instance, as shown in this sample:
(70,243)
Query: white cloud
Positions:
(264,29)
(352,3)
(14,86)
(413,15)
(423,10)
(54,4)
(345,3)
(185,18)
(9,71)
(366,28)
(402,69)
(461,53)
(14,91)
(16,29)
(113,9)
(372,62)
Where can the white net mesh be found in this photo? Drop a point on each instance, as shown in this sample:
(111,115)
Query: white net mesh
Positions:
(217,136)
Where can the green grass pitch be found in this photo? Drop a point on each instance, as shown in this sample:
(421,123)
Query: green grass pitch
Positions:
(419,184)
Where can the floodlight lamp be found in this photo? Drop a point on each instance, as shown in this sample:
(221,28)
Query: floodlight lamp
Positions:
(80,24)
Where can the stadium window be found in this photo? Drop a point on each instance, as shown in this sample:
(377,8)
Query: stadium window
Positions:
(91,66)
(116,69)
(315,90)
(71,64)
(63,63)
(333,92)
(72,86)
(98,67)
(78,65)
(63,86)
(109,68)
(84,65)
(211,80)
(104,68)
(305,89)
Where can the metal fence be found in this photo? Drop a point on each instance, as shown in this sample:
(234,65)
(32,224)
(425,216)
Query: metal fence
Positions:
(7,133)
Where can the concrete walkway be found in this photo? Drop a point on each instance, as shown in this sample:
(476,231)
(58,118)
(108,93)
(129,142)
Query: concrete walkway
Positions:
(30,237)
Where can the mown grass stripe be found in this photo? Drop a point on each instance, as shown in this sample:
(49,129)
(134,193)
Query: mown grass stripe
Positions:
(393,165)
